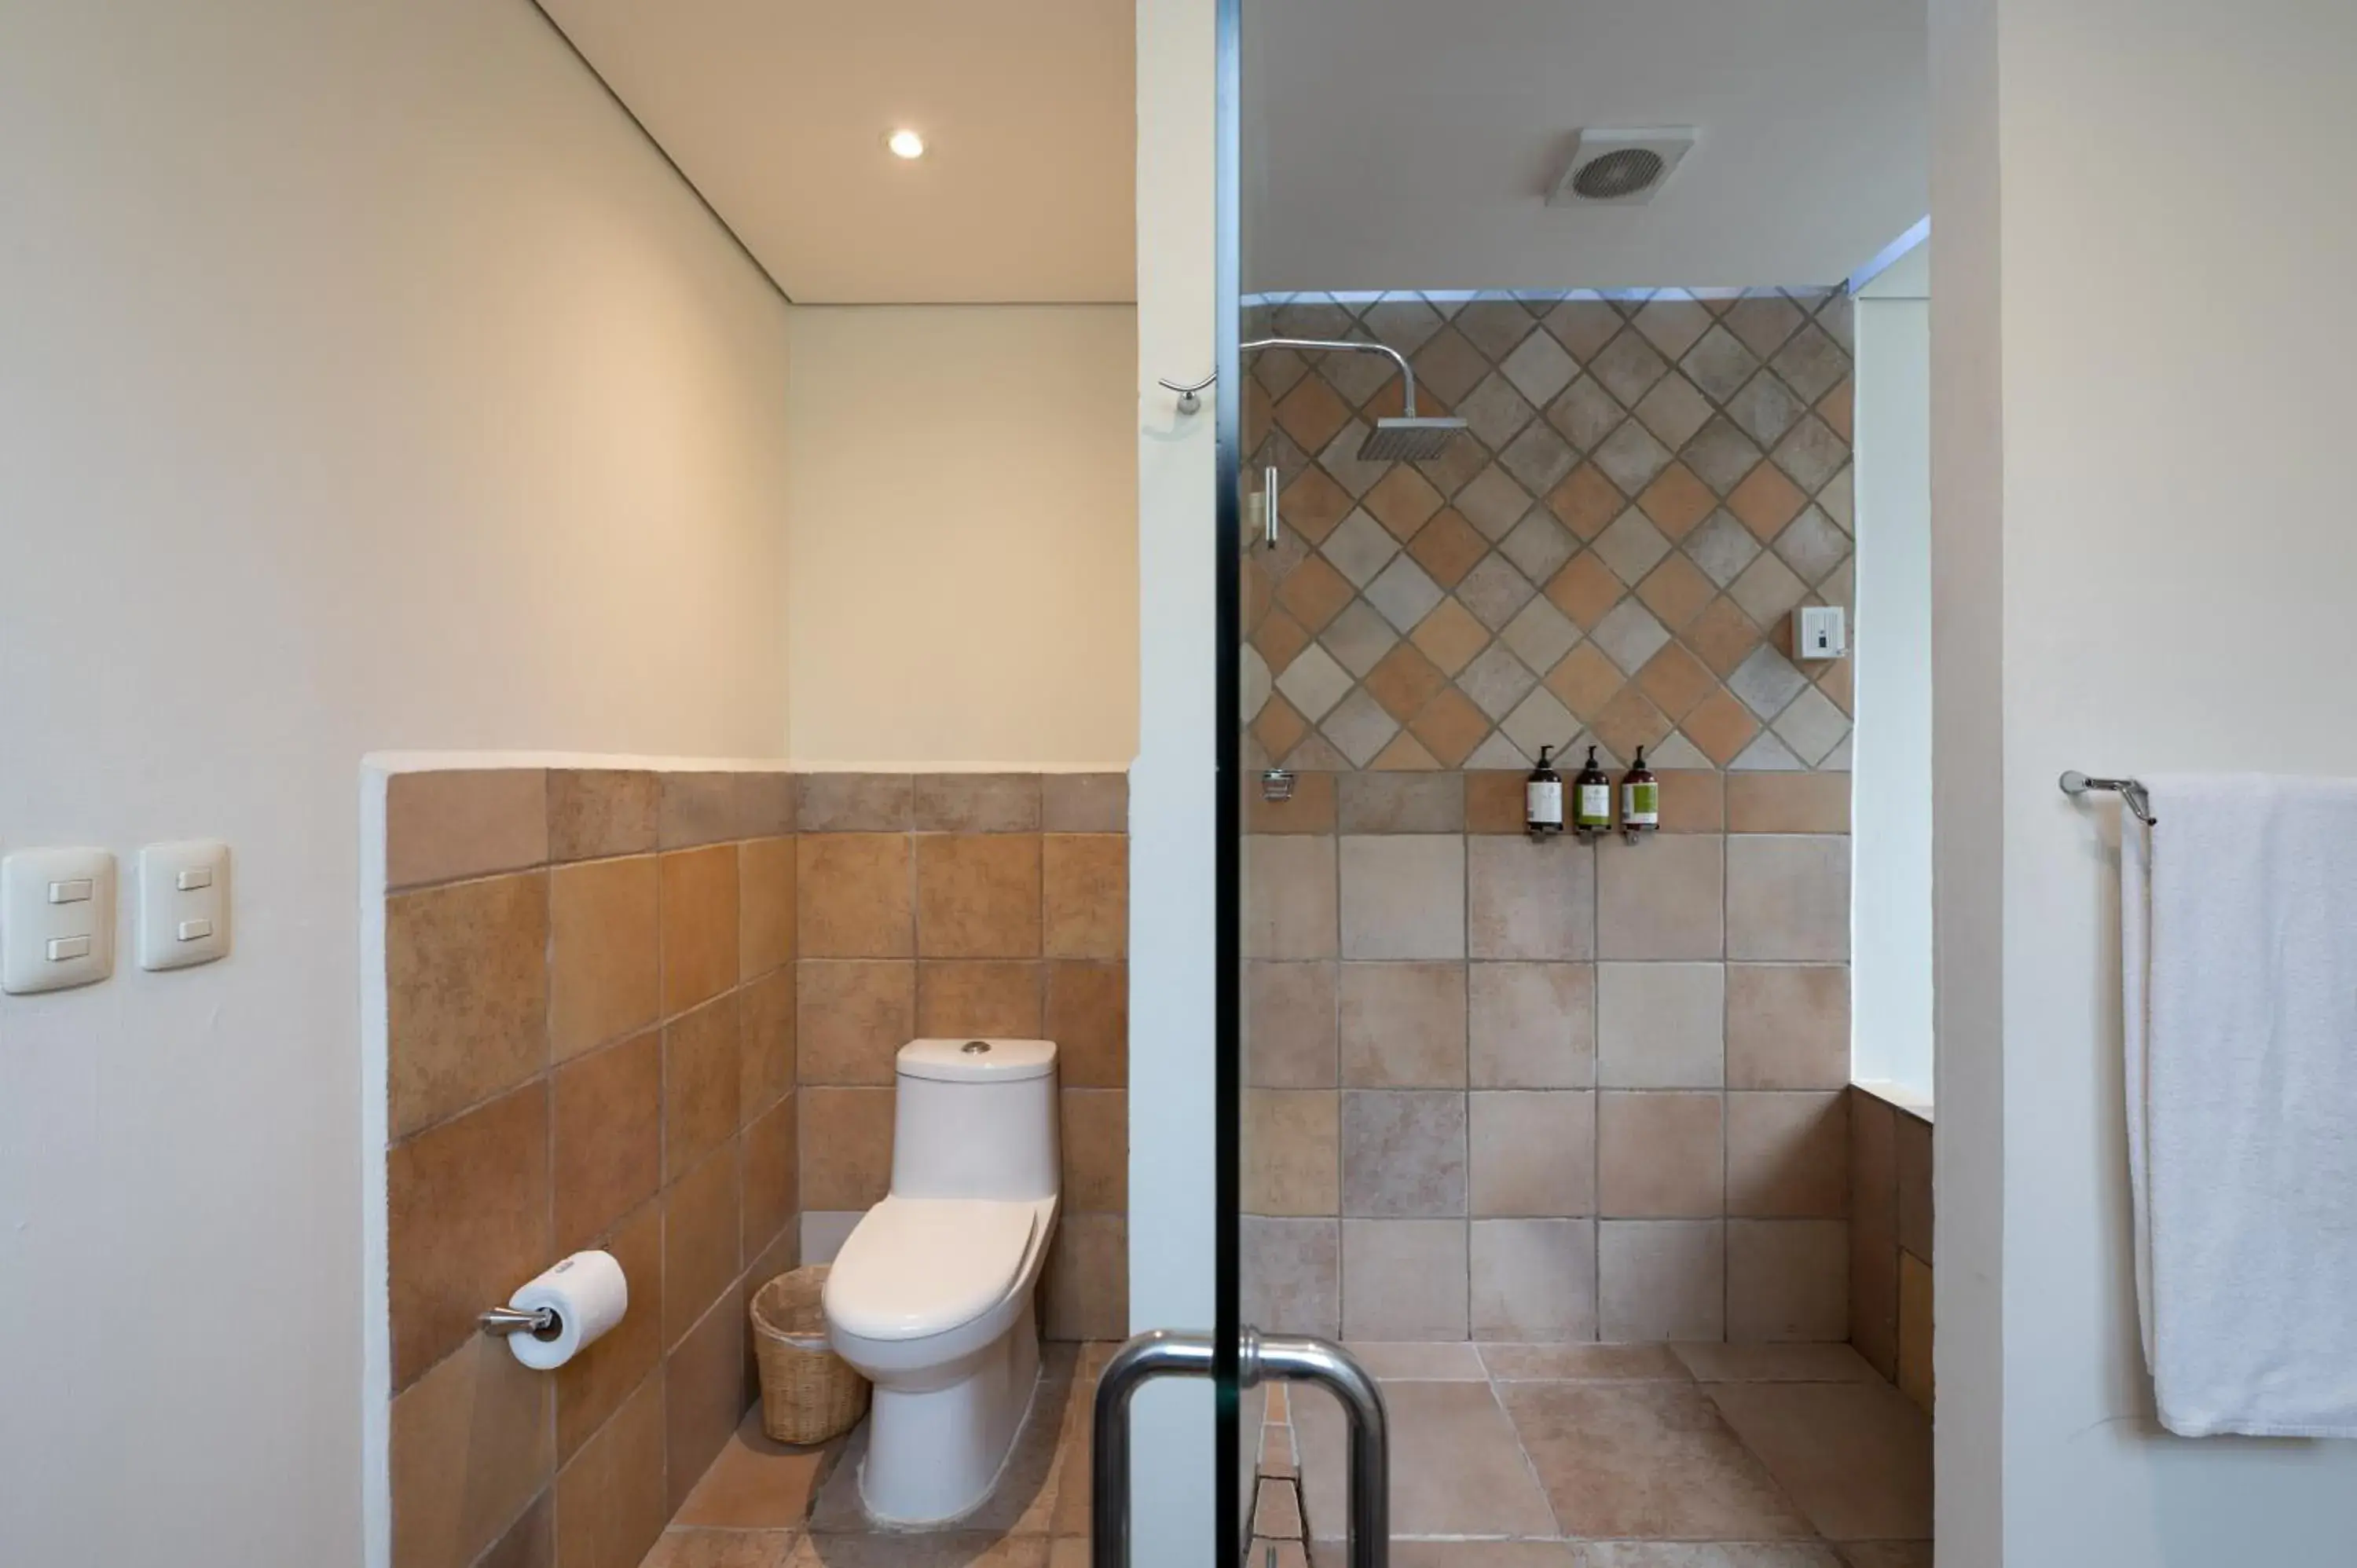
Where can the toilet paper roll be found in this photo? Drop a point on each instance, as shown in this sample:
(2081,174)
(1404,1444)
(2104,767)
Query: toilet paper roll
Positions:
(588,1293)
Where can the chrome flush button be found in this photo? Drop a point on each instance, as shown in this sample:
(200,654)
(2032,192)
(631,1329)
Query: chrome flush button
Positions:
(975,1047)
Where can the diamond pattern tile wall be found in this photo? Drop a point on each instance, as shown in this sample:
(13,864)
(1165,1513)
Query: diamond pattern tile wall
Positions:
(1651,481)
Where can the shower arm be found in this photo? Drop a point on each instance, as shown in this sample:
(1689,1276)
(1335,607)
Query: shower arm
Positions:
(1191,395)
(1407,371)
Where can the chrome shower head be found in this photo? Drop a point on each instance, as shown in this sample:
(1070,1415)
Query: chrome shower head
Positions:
(1408,440)
(1403,438)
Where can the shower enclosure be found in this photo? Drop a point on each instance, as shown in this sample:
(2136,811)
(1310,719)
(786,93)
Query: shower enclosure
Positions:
(1533,1148)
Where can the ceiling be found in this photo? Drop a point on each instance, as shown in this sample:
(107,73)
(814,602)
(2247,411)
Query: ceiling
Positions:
(1388,143)
(777,110)
(1397,143)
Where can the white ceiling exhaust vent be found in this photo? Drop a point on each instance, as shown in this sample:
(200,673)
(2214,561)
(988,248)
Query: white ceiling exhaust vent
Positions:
(1622,168)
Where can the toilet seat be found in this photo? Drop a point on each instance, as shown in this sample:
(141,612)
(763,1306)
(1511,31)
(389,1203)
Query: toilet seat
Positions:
(917,1267)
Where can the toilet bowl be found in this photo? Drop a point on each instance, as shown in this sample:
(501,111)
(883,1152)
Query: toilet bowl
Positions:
(931,1297)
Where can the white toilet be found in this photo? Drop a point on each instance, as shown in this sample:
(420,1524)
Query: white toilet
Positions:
(930,1295)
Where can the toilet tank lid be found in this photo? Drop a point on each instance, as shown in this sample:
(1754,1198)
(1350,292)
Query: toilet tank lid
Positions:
(966,1059)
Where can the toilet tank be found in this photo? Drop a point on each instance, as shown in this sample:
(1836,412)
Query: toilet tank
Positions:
(975,1118)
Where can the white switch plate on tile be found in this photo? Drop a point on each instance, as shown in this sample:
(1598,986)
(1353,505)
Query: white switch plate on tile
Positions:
(1819,632)
(57,919)
(183,902)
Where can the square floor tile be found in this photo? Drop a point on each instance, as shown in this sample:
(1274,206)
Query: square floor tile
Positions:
(1646,1461)
(1856,1456)
(1457,1468)
(756,1483)
(688,1548)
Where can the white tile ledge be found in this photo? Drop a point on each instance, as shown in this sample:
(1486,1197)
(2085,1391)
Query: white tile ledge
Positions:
(1915,1103)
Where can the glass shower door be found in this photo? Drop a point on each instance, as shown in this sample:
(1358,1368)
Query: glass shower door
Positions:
(1261,1371)
(1242,1363)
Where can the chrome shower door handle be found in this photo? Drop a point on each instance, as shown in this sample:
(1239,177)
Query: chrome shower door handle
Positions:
(1268,1358)
(1268,508)
(1161,1353)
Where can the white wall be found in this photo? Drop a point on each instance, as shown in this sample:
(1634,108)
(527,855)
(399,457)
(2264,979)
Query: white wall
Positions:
(1172,826)
(2140,416)
(367,382)
(963,535)
(1890,908)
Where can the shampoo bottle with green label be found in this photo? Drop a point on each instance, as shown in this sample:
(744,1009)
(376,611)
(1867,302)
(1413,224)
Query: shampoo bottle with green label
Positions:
(1640,798)
(1591,811)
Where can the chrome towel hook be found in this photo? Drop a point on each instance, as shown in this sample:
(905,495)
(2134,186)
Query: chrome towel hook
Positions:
(1191,398)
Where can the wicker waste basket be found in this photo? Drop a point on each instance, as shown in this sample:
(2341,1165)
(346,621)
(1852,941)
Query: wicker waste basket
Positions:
(808,1392)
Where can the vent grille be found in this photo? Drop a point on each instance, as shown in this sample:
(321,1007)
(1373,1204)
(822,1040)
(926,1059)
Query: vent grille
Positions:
(1625,167)
(1617,175)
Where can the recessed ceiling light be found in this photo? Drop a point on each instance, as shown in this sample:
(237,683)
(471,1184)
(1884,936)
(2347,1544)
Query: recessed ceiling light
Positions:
(906,143)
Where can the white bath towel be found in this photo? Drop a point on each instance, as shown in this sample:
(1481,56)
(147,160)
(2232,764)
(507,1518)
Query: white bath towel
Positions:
(2239,943)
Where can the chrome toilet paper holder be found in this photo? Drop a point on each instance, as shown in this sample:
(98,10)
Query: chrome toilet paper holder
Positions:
(504,1321)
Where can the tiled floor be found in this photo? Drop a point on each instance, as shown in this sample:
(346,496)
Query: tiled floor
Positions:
(764,1505)
(1503,1456)
(1620,1456)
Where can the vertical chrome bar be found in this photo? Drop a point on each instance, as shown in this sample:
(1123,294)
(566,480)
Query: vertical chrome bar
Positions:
(1268,482)
(1158,1353)
(1336,1370)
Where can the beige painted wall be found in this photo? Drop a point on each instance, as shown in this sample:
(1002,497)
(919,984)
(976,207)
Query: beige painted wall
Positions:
(963,530)
(2141,563)
(369,383)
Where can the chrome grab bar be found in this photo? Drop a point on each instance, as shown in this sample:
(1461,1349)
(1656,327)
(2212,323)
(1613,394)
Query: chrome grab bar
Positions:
(1162,1353)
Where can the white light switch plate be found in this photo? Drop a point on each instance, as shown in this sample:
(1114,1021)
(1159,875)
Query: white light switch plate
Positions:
(183,902)
(1820,631)
(57,919)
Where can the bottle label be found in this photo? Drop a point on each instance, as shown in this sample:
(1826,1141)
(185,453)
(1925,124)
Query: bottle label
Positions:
(1641,805)
(1595,805)
(1543,802)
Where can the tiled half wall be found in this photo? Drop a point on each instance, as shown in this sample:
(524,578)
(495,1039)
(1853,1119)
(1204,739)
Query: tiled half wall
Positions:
(590,1043)
(970,904)
(637,1010)
(1890,1242)
(1523,1092)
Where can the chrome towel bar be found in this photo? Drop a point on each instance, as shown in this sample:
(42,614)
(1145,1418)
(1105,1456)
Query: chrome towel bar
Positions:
(2139,801)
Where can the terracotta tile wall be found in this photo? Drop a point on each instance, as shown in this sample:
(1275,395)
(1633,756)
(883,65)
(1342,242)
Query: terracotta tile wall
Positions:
(1651,482)
(969,903)
(1510,1090)
(591,993)
(1890,1242)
